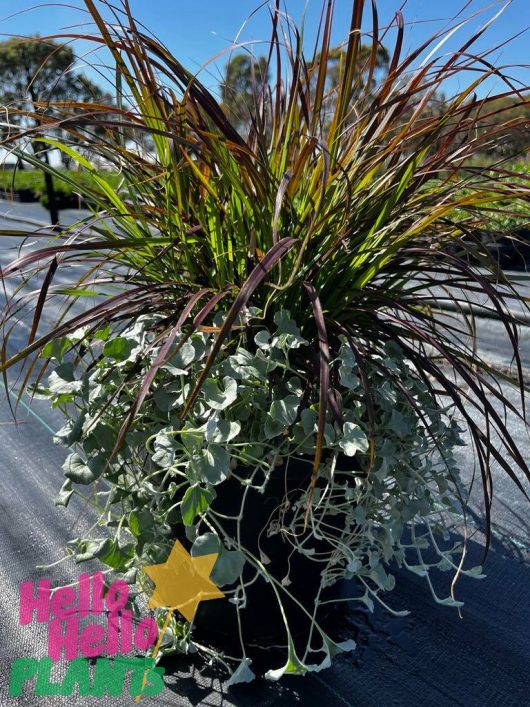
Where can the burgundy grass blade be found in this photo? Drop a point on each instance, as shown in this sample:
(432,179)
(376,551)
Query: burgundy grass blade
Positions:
(260,272)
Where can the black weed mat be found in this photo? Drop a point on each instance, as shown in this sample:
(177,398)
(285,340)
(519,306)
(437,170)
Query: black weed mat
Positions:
(431,658)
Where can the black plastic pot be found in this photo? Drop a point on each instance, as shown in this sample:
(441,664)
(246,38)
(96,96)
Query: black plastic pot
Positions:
(26,195)
(262,625)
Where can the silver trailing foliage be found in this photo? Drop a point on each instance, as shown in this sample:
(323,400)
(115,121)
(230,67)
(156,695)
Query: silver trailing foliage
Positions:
(255,413)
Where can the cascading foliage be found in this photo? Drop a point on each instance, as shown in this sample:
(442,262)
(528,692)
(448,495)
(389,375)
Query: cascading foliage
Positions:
(247,421)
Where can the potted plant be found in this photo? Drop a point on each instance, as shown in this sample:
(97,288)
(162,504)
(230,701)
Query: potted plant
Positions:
(270,373)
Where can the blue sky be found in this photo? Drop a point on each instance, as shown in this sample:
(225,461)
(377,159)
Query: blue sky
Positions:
(196,31)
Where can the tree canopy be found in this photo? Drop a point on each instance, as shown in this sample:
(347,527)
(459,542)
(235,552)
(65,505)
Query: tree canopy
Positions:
(33,73)
(244,80)
(34,70)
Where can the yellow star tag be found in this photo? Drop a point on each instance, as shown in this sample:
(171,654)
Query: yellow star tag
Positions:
(183,581)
